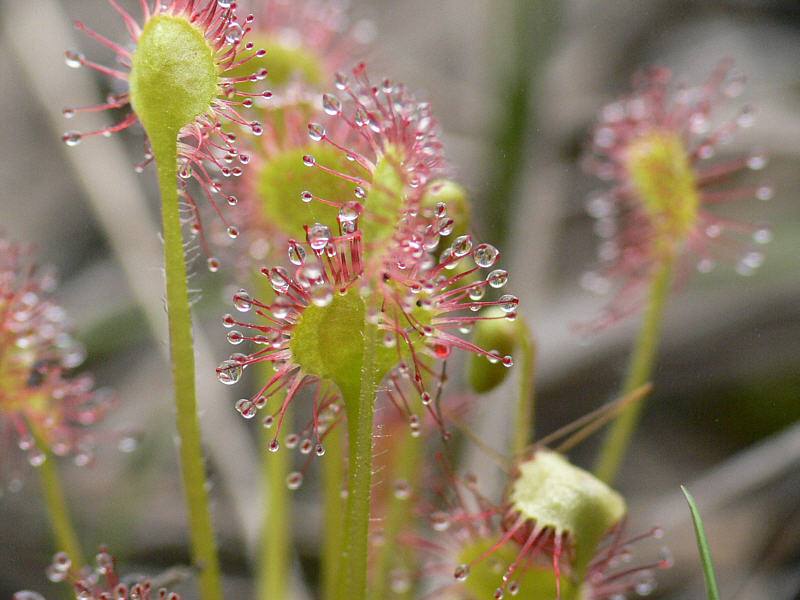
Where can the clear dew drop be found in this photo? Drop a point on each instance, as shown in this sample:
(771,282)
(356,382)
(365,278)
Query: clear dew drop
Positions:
(279,279)
(242,301)
(72,138)
(477,292)
(764,193)
(349,212)
(763,235)
(234,33)
(757,160)
(246,408)
(749,263)
(499,594)
(274,446)
(294,480)
(331,104)
(461,572)
(128,444)
(297,254)
(440,521)
(229,372)
(233,232)
(402,489)
(68,113)
(508,303)
(318,236)
(74,60)
(485,255)
(316,132)
(462,246)
(36,458)
(497,278)
(213,264)
(225,3)
(309,160)
(306,196)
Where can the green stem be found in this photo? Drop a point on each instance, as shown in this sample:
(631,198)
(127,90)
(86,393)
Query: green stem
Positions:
(526,402)
(361,408)
(405,467)
(276,542)
(639,370)
(274,561)
(64,533)
(333,483)
(204,548)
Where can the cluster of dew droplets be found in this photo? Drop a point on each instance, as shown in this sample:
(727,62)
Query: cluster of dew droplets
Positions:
(484,256)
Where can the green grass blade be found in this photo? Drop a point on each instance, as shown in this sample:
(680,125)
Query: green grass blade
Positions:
(702,546)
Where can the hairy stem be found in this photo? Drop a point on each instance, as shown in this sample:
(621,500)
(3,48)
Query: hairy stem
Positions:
(204,547)
(276,542)
(361,408)
(64,534)
(332,483)
(405,467)
(640,368)
(526,402)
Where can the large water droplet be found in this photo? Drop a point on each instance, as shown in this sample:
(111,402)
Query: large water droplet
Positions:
(331,104)
(497,278)
(316,132)
(73,59)
(508,303)
(461,572)
(246,408)
(234,33)
(242,301)
(462,246)
(485,255)
(229,372)
(72,138)
(757,160)
(318,236)
(294,480)
(297,254)
(440,521)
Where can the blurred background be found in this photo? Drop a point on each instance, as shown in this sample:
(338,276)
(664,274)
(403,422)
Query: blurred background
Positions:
(516,85)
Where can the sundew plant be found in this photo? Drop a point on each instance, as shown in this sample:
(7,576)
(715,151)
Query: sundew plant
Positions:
(378,360)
